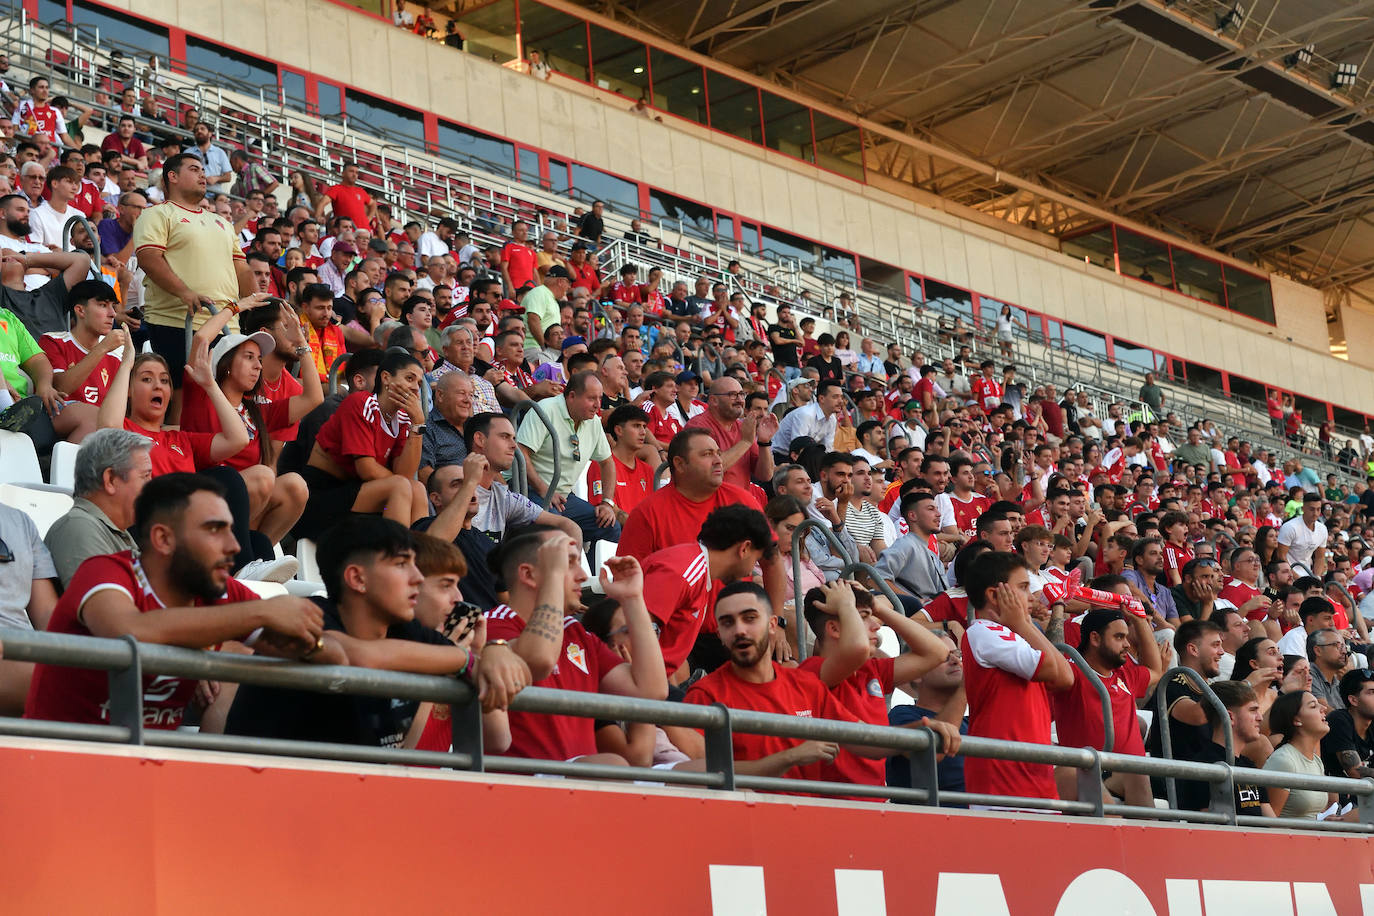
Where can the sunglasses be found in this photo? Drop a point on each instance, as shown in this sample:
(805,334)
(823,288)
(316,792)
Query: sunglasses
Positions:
(576,447)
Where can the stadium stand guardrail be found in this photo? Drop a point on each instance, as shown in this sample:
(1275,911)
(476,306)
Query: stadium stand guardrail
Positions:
(127,661)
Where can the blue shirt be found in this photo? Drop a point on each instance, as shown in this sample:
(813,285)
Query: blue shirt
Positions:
(1162,598)
(113,238)
(216,161)
(950,771)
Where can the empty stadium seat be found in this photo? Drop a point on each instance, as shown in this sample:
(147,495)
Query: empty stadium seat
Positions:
(18,459)
(62,472)
(43,506)
(264,589)
(309,570)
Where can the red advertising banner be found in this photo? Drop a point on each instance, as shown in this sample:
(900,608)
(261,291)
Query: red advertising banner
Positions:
(134,830)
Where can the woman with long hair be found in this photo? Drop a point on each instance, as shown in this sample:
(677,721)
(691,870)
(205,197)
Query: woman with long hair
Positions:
(371,313)
(368,452)
(137,400)
(304,192)
(843,352)
(1266,540)
(785,514)
(1299,722)
(274,502)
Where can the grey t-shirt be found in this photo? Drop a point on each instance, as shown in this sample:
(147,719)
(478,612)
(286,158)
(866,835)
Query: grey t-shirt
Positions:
(43,311)
(500,508)
(31,561)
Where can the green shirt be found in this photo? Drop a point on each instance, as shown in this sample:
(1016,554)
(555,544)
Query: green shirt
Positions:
(539,302)
(591,444)
(1193,454)
(16,347)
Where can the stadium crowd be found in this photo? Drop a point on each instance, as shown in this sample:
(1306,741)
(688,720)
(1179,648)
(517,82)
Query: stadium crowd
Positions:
(980,500)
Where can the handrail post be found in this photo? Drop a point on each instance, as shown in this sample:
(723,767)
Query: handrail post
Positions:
(90,232)
(334,369)
(925,769)
(126,694)
(720,750)
(516,418)
(1108,725)
(1090,783)
(1166,740)
(191,332)
(466,724)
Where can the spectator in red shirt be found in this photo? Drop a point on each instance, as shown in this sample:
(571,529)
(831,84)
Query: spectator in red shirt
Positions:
(543,573)
(176,592)
(518,259)
(663,425)
(679,582)
(625,291)
(583,272)
(1010,668)
(132,154)
(348,200)
(845,620)
(86,358)
(634,478)
(1177,551)
(746,441)
(1107,640)
(367,453)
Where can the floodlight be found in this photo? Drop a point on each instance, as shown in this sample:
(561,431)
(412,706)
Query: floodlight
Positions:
(1344,76)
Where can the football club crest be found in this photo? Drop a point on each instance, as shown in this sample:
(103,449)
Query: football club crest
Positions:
(577,657)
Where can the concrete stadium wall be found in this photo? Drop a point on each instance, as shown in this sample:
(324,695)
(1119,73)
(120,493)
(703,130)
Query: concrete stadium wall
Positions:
(693,162)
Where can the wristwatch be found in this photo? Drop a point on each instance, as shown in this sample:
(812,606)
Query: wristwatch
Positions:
(608,502)
(418,429)
(497,642)
(301,351)
(765,444)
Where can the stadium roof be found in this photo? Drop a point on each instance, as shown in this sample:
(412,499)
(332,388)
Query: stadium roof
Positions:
(1215,121)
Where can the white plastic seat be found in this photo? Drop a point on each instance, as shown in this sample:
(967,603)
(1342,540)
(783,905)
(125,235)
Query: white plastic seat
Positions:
(888,642)
(601,551)
(18,459)
(309,569)
(62,472)
(264,589)
(43,506)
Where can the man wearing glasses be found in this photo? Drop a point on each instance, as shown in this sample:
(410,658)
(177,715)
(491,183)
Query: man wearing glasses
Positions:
(580,440)
(745,442)
(1329,655)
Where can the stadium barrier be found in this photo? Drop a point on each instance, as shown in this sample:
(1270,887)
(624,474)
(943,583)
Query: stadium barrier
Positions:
(127,661)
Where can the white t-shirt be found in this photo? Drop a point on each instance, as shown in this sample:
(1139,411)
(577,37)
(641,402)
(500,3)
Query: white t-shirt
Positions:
(1301,541)
(31,281)
(430,245)
(47,223)
(1294,642)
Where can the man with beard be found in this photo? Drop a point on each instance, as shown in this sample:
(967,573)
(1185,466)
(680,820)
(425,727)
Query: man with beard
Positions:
(745,442)
(1147,575)
(30,289)
(752,680)
(1107,639)
(176,591)
(1198,645)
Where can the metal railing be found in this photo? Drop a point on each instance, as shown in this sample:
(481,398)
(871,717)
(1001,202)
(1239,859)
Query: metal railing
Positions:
(1162,723)
(128,661)
(519,478)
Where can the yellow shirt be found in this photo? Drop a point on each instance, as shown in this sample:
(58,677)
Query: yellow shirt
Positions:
(200,249)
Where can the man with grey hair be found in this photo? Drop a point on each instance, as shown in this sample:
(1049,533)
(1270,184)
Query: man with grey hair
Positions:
(443,441)
(112,466)
(1329,657)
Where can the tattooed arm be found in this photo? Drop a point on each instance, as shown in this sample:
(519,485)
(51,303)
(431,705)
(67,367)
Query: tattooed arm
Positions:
(540,643)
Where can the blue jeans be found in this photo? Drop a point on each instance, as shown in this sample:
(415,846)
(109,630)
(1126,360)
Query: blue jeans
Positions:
(790,372)
(583,514)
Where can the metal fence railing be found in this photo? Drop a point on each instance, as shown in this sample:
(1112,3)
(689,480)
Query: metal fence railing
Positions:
(128,661)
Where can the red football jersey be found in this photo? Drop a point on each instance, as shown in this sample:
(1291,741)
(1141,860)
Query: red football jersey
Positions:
(82,694)
(585,277)
(652,299)
(519,261)
(666,517)
(625,293)
(584,661)
(987,392)
(176,449)
(662,425)
(359,430)
(1238,593)
(1005,703)
(198,416)
(350,202)
(64,352)
(631,484)
(1176,557)
(960,513)
(284,388)
(35,120)
(864,694)
(792,692)
(1078,711)
(951,604)
(679,593)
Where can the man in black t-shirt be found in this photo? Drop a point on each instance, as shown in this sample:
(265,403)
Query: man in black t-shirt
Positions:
(1243,710)
(368,567)
(826,362)
(785,342)
(1198,645)
(452,491)
(1348,747)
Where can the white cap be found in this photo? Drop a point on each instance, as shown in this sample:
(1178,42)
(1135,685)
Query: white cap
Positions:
(265,341)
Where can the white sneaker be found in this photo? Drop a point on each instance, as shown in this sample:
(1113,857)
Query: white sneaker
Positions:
(279,571)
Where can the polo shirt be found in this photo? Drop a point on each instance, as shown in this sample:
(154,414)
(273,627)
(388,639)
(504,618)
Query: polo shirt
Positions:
(16,346)
(592,444)
(442,444)
(84,532)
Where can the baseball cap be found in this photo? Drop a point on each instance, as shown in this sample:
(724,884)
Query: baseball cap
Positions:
(226,344)
(573,341)
(558,271)
(798,381)
(508,305)
(345,247)
(687,375)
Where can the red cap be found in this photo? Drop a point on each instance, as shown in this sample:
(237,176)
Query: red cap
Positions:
(507,305)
